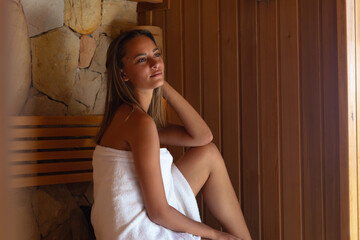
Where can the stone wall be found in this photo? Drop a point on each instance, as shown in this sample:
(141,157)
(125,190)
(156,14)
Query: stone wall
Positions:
(59,69)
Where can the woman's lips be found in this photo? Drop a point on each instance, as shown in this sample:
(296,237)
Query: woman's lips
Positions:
(156,74)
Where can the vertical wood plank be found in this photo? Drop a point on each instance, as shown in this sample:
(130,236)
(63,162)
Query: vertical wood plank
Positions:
(229,62)
(210,66)
(145,18)
(249,117)
(290,120)
(5,222)
(352,118)
(174,59)
(311,109)
(268,106)
(211,75)
(357,59)
(330,122)
(192,74)
(343,120)
(159,19)
(192,80)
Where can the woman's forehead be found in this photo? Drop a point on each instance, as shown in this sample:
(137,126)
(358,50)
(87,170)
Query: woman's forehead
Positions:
(139,45)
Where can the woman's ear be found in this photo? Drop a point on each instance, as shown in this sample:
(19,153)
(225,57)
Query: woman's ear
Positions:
(123,75)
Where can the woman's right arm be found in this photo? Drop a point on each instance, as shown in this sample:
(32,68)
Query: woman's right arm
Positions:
(145,145)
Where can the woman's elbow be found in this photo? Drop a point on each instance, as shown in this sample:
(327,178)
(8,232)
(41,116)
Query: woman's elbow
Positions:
(158,216)
(205,138)
(210,137)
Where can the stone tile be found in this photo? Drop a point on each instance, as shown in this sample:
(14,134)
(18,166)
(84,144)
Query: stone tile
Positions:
(99,106)
(43,15)
(77,189)
(83,16)
(99,60)
(53,206)
(62,232)
(76,108)
(46,209)
(118,15)
(87,50)
(79,226)
(55,58)
(82,201)
(96,33)
(39,104)
(89,194)
(86,86)
(20,62)
(23,214)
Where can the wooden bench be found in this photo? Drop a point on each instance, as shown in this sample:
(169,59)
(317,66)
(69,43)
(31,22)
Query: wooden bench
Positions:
(52,149)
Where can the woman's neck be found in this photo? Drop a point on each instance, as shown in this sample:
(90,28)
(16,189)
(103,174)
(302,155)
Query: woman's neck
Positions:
(144,98)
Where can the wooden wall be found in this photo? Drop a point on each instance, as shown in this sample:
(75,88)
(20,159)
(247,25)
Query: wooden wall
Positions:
(264,75)
(4,89)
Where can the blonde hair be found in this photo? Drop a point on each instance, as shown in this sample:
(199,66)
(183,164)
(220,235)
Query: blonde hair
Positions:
(120,91)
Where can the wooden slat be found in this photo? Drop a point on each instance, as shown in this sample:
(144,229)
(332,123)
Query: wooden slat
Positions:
(357,36)
(174,60)
(344,120)
(230,109)
(290,121)
(55,155)
(191,70)
(330,139)
(210,71)
(268,125)
(53,132)
(48,180)
(159,19)
(6,72)
(56,120)
(352,115)
(249,117)
(192,75)
(311,109)
(211,66)
(50,167)
(52,144)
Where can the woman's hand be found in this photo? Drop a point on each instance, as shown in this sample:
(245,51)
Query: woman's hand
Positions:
(225,236)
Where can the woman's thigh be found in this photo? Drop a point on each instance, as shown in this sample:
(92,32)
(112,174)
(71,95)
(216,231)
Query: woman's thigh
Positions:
(196,165)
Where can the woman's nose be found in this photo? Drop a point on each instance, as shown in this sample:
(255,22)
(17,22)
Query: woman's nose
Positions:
(154,63)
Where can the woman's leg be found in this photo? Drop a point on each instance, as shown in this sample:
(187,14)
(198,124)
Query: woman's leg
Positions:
(204,168)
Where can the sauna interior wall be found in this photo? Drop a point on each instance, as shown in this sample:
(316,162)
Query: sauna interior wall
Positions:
(4,86)
(264,75)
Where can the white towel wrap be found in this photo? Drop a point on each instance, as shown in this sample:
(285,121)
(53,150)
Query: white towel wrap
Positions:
(119,212)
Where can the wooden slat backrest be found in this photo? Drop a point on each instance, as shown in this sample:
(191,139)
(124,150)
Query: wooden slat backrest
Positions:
(52,149)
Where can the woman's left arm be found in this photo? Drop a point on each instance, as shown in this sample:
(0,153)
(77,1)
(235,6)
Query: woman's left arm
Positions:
(194,132)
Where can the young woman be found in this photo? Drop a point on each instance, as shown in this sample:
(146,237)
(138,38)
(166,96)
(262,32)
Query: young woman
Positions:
(138,192)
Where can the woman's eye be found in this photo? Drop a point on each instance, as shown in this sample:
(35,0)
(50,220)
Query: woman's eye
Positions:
(158,54)
(141,60)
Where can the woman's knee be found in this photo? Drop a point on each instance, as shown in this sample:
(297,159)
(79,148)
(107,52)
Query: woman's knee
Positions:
(211,148)
(211,152)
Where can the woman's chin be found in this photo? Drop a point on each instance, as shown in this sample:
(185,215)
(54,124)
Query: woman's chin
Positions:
(159,83)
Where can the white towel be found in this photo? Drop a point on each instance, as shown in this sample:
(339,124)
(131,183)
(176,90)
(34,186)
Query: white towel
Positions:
(119,212)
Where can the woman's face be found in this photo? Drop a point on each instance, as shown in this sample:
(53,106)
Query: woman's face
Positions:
(143,64)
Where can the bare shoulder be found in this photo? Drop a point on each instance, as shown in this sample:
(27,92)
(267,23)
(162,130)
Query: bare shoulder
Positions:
(142,131)
(129,123)
(141,123)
